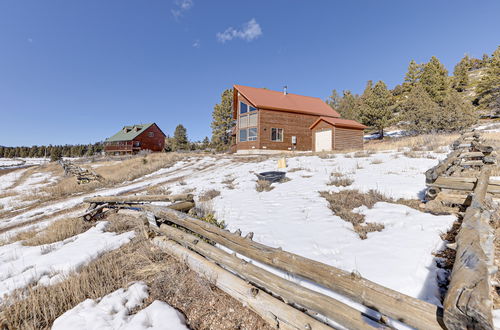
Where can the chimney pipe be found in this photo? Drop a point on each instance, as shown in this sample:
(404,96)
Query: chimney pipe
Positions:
(285,90)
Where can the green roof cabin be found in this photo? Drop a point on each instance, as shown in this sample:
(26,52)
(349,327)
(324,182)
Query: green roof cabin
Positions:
(132,139)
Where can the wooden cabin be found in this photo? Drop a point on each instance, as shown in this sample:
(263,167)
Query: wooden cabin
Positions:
(132,139)
(271,120)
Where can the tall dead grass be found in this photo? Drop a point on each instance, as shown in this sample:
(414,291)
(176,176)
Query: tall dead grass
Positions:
(343,203)
(114,173)
(205,306)
(427,142)
(58,231)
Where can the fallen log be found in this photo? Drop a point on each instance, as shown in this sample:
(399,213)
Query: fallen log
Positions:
(471,163)
(473,154)
(468,304)
(433,173)
(481,147)
(278,314)
(92,212)
(289,291)
(409,310)
(139,199)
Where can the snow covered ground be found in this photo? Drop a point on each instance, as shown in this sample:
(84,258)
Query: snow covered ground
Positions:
(113,312)
(47,264)
(293,216)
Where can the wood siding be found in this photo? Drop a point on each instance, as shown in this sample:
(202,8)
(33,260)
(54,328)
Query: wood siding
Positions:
(141,142)
(347,138)
(155,143)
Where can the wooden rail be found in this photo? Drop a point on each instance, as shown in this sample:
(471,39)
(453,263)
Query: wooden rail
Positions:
(409,310)
(467,303)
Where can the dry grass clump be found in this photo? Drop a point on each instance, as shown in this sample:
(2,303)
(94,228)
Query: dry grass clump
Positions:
(377,161)
(361,154)
(263,185)
(342,203)
(158,190)
(58,230)
(229,182)
(339,180)
(20,236)
(431,141)
(296,169)
(208,195)
(114,173)
(169,280)
(412,154)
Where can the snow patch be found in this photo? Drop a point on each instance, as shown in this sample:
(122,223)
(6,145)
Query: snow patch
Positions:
(113,312)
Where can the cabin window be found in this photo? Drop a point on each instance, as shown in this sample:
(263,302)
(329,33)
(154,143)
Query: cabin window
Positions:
(243,135)
(243,108)
(252,120)
(252,134)
(277,134)
(137,143)
(151,134)
(252,108)
(243,121)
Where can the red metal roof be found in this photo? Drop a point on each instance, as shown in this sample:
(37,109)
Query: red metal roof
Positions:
(338,122)
(273,100)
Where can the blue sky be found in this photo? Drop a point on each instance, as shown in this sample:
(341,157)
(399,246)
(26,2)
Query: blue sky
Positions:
(77,71)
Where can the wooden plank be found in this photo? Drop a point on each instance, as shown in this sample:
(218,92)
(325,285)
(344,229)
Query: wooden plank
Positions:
(139,198)
(474,154)
(89,214)
(433,173)
(467,304)
(278,314)
(291,292)
(409,310)
(471,163)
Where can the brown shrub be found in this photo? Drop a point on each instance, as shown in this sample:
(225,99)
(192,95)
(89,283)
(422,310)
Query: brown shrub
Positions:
(59,230)
(263,185)
(208,195)
(339,180)
(377,161)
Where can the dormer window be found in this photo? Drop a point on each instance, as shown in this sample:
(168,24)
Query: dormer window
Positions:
(137,129)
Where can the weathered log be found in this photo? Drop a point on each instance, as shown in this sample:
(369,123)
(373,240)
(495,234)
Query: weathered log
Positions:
(291,292)
(489,160)
(481,147)
(463,184)
(275,312)
(181,206)
(91,213)
(457,199)
(473,154)
(433,173)
(409,310)
(467,304)
(139,198)
(471,163)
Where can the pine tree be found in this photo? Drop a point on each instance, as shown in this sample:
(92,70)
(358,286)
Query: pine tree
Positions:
(419,112)
(488,88)
(456,113)
(376,106)
(349,106)
(55,154)
(434,79)
(181,141)
(222,121)
(334,100)
(206,143)
(412,76)
(461,74)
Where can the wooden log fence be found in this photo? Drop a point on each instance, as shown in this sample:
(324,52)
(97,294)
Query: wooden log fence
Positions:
(83,175)
(409,310)
(274,311)
(289,291)
(468,304)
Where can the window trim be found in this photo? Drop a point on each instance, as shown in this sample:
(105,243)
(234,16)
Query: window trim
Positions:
(282,134)
(246,105)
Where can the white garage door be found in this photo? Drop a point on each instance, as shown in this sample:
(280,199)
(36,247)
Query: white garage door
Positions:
(323,141)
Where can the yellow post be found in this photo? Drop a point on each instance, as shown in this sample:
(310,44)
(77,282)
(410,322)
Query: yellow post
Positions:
(282,163)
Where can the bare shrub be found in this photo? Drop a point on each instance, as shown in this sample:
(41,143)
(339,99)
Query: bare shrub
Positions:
(412,154)
(229,182)
(342,203)
(209,195)
(348,155)
(339,180)
(296,169)
(377,161)
(360,154)
(59,230)
(263,185)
